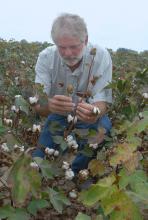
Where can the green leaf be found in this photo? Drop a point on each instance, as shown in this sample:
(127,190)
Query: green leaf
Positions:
(107,181)
(37,204)
(96,193)
(19,214)
(82,216)
(2,128)
(47,170)
(24,180)
(137,181)
(6,211)
(58,200)
(87,151)
(120,206)
(13,214)
(21,103)
(63,145)
(57,139)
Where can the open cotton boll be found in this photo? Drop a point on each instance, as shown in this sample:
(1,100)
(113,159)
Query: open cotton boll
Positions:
(84,174)
(65,165)
(145,95)
(69,138)
(94,146)
(4,147)
(73,194)
(33,100)
(56,153)
(71,143)
(96,110)
(70,118)
(49,151)
(36,128)
(69,174)
(34,165)
(14,109)
(75,146)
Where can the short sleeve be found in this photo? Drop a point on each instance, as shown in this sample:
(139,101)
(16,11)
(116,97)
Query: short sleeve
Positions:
(43,71)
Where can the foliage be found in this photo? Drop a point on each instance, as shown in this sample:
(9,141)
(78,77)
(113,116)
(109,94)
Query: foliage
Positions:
(120,186)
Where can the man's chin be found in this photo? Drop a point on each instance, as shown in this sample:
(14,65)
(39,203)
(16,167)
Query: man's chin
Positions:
(71,63)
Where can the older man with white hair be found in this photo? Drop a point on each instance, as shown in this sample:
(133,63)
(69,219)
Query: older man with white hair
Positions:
(69,69)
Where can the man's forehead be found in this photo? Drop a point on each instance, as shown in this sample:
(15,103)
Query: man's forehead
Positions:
(68,40)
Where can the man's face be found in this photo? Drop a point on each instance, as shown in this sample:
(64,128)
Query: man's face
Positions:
(70,49)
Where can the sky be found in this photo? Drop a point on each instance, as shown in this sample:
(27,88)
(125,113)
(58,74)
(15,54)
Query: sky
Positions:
(112,24)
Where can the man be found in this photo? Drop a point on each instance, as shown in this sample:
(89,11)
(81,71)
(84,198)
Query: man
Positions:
(72,64)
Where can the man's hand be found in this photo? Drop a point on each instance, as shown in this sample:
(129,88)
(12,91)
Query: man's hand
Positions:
(60,104)
(85,113)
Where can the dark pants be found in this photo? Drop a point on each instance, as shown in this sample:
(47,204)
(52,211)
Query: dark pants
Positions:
(81,161)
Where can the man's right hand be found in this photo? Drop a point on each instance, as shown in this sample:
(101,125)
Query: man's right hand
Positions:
(60,104)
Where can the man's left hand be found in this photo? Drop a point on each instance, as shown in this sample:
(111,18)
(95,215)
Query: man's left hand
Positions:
(85,113)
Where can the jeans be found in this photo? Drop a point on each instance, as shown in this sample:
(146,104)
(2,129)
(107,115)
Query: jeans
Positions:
(81,161)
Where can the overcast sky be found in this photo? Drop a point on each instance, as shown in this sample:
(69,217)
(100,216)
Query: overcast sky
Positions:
(111,23)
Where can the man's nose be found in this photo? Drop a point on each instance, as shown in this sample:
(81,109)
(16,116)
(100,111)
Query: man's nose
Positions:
(67,51)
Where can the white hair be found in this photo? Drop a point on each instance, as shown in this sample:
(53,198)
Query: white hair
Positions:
(69,24)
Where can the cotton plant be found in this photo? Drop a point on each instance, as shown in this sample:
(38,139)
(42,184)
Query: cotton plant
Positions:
(71,118)
(4,147)
(96,110)
(8,122)
(15,109)
(83,174)
(69,174)
(51,152)
(65,165)
(145,95)
(36,128)
(71,142)
(93,146)
(34,165)
(33,100)
(21,149)
(73,194)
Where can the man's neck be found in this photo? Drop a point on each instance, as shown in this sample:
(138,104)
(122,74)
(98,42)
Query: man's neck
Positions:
(72,68)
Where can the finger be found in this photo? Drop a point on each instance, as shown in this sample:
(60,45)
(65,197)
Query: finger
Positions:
(63,98)
(87,106)
(61,103)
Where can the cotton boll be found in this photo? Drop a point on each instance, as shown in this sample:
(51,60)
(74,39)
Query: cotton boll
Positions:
(33,100)
(34,165)
(75,146)
(49,151)
(5,148)
(73,194)
(94,146)
(65,165)
(145,95)
(56,153)
(69,138)
(69,174)
(96,110)
(83,174)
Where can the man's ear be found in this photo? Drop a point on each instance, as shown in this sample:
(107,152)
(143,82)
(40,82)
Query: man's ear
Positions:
(86,40)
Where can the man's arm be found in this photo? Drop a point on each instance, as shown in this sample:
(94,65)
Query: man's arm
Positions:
(59,104)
